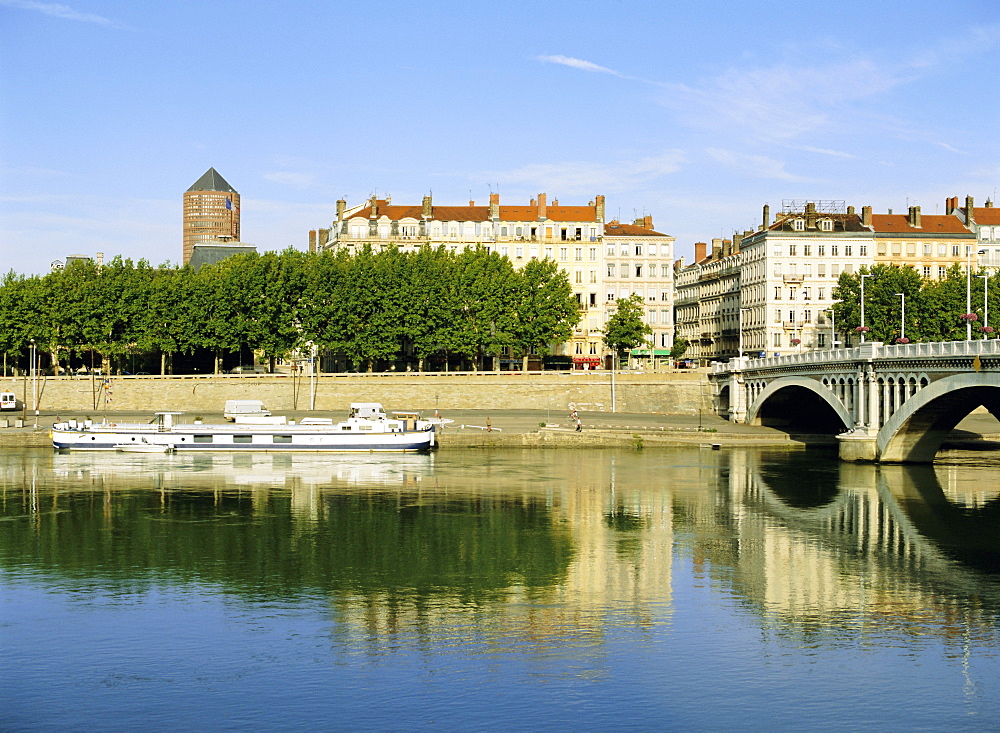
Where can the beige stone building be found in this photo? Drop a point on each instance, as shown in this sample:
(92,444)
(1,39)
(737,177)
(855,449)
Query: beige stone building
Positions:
(603,260)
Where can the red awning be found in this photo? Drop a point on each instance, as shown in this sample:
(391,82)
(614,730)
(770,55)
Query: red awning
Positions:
(586,360)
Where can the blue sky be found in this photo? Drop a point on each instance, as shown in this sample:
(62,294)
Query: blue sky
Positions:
(693,112)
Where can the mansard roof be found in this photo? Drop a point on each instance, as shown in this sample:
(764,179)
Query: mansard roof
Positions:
(930,225)
(617,229)
(476,213)
(212,181)
(841,222)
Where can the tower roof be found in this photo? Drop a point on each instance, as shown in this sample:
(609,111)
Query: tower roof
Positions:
(211,181)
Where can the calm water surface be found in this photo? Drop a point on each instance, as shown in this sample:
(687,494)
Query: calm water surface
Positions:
(688,589)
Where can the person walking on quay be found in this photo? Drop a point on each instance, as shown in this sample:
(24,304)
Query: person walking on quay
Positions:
(489,426)
(579,424)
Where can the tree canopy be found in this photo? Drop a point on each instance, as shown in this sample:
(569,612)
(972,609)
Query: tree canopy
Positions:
(367,307)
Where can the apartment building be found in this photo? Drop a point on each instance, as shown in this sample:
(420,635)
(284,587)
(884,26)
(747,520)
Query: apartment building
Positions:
(602,259)
(708,300)
(211,213)
(985,222)
(929,243)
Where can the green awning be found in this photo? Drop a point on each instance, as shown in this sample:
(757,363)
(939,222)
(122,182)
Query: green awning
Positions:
(650,352)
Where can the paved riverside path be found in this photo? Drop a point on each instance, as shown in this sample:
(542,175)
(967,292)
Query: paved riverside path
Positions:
(521,428)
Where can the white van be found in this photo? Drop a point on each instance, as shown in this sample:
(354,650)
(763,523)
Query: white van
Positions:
(238,408)
(8,401)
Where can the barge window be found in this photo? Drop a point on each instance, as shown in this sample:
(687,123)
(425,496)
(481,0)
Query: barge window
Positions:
(203,438)
(242,438)
(281,438)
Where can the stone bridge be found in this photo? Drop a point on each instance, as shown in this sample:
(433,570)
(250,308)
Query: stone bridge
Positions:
(886,403)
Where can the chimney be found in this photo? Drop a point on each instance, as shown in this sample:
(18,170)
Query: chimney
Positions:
(914,217)
(767,217)
(699,251)
(950,205)
(312,240)
(970,210)
(341,207)
(810,215)
(542,206)
(427,208)
(534,202)
(494,206)
(866,216)
(99,256)
(989,203)
(737,241)
(850,211)
(322,237)
(471,202)
(716,248)
(374,206)
(555,202)
(727,247)
(599,209)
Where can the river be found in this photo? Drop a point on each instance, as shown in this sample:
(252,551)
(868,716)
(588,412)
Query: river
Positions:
(690,589)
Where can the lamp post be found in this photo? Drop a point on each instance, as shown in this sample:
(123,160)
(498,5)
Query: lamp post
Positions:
(741,330)
(863,306)
(902,316)
(833,322)
(986,305)
(968,292)
(34,380)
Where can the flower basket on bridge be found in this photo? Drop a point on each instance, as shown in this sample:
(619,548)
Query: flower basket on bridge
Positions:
(987,329)
(862,329)
(969,317)
(902,340)
(795,342)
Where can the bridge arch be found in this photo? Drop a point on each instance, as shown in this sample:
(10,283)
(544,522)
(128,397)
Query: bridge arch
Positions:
(915,430)
(799,403)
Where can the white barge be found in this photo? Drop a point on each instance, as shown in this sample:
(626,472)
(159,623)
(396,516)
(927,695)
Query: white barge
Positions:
(367,429)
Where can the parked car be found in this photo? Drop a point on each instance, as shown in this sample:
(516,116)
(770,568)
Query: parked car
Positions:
(249,369)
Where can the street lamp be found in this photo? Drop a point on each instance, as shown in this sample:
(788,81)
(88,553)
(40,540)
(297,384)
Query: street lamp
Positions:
(34,380)
(968,292)
(902,317)
(741,330)
(986,305)
(863,306)
(833,321)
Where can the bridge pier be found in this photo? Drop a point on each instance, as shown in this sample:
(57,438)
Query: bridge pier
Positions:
(858,446)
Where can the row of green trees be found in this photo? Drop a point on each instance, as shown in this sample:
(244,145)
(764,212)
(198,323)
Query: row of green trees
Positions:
(935,310)
(367,307)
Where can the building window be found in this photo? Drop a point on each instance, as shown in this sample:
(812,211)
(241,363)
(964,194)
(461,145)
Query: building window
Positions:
(638,270)
(777,293)
(826,225)
(927,271)
(519,252)
(563,254)
(624,270)
(806,249)
(611,270)
(942,272)
(777,269)
(799,225)
(821,340)
(578,347)
(593,254)
(593,276)
(593,348)
(807,316)
(777,340)
(638,250)
(791,250)
(611,250)
(848,250)
(821,250)
(664,295)
(834,250)
(821,293)
(954,250)
(777,315)
(611,297)
(578,254)
(863,249)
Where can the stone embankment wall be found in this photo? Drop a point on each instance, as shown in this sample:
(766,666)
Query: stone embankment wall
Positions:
(677,393)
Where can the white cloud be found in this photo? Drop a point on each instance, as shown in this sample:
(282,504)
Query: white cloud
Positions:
(584,177)
(65,12)
(758,166)
(580,64)
(825,151)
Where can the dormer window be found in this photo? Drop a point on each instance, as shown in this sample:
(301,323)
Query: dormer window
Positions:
(826,225)
(799,225)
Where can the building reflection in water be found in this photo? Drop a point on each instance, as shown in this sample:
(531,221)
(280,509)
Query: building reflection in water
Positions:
(528,548)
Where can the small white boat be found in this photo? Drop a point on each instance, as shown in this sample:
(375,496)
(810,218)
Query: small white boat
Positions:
(144,446)
(367,429)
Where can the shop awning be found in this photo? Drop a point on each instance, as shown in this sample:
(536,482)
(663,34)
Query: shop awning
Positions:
(650,352)
(586,360)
